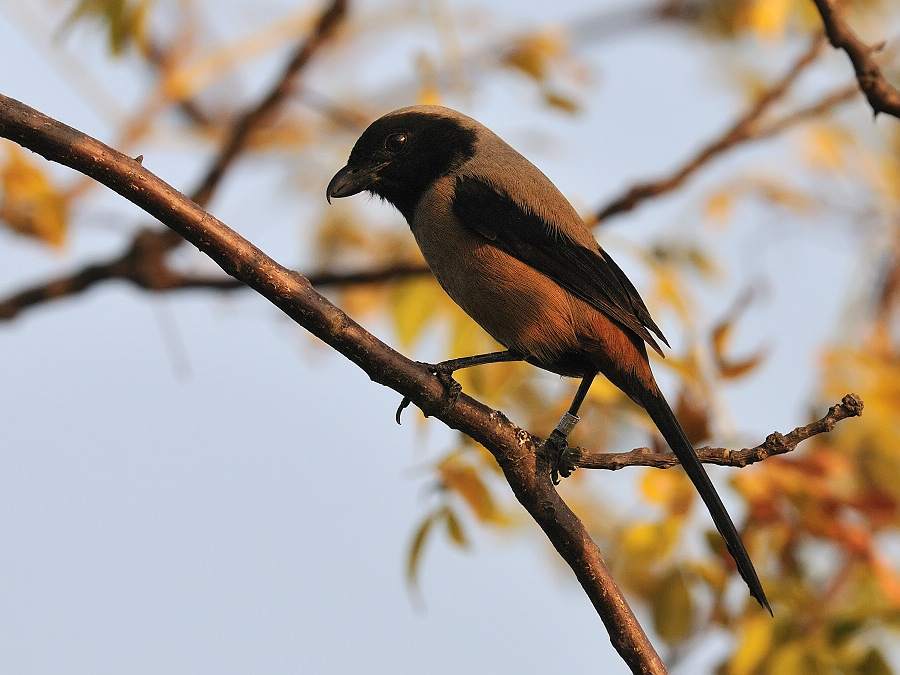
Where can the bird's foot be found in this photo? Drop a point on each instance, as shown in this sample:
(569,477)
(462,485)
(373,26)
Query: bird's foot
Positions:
(452,388)
(563,459)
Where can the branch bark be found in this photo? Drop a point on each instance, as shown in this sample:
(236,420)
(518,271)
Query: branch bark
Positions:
(514,449)
(775,444)
(881,95)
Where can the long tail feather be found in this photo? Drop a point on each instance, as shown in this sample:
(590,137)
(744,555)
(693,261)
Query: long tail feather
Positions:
(666,422)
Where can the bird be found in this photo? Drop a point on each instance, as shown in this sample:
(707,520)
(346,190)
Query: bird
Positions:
(514,254)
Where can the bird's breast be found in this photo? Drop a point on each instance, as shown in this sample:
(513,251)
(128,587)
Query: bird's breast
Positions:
(518,306)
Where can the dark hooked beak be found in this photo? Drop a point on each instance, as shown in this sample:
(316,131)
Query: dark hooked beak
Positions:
(352,180)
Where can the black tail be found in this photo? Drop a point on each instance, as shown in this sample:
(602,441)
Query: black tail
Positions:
(665,420)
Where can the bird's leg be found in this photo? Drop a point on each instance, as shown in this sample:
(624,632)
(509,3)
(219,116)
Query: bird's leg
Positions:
(445,369)
(563,459)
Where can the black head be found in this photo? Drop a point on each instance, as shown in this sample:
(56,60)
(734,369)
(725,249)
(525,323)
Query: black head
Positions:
(401,154)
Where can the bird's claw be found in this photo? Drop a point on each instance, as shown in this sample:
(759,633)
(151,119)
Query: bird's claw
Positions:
(563,459)
(452,389)
(403,405)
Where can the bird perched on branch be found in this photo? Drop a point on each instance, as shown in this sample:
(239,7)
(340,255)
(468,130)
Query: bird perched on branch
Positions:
(510,250)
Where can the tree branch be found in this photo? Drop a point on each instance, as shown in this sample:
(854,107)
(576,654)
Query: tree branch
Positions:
(145,263)
(150,271)
(814,109)
(163,279)
(775,444)
(744,129)
(513,448)
(882,97)
(252,119)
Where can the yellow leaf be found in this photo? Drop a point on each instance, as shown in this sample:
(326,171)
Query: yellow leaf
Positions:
(673,608)
(885,170)
(721,19)
(732,370)
(640,538)
(728,367)
(719,206)
(888,582)
(670,489)
(769,18)
(125,21)
(29,203)
(429,92)
(532,53)
(797,658)
(783,195)
(755,644)
(561,102)
(604,392)
(826,147)
(670,291)
(701,262)
(466,338)
(415,550)
(874,663)
(462,478)
(693,413)
(413,303)
(712,573)
(650,540)
(721,333)
(359,300)
(454,528)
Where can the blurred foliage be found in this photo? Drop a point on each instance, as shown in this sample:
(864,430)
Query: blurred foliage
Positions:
(124,22)
(30,204)
(820,523)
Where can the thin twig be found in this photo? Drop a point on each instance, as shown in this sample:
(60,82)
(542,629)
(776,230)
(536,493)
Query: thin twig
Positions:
(166,279)
(815,109)
(775,444)
(744,129)
(253,118)
(144,263)
(880,94)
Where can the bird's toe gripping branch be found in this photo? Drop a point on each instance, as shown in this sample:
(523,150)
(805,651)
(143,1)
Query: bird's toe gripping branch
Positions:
(452,388)
(563,459)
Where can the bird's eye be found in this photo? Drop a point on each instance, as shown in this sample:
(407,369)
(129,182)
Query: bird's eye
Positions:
(395,142)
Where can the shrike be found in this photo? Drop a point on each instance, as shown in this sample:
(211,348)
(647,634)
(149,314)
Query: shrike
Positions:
(510,250)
